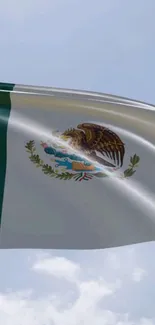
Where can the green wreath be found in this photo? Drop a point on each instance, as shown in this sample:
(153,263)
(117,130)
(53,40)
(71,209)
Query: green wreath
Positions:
(48,170)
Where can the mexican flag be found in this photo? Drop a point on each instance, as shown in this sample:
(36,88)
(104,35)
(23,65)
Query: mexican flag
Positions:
(53,193)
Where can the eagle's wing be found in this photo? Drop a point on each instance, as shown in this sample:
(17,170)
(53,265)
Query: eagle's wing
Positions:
(103,140)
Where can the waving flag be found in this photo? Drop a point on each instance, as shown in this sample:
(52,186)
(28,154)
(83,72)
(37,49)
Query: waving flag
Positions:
(76,169)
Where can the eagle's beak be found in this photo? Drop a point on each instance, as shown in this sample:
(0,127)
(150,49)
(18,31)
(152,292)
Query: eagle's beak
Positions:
(64,137)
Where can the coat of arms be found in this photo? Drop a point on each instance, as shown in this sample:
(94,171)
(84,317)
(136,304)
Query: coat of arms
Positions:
(97,143)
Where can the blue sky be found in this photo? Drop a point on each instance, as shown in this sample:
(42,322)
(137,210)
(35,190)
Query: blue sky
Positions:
(100,45)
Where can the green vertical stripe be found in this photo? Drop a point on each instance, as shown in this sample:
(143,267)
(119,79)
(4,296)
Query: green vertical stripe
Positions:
(5,108)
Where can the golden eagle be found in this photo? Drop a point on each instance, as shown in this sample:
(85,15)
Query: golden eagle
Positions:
(91,139)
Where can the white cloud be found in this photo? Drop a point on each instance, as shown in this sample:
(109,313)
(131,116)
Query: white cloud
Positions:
(57,308)
(15,310)
(58,267)
(138,274)
(124,262)
(20,308)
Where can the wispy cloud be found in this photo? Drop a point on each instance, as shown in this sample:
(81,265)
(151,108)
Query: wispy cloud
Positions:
(138,274)
(88,306)
(58,267)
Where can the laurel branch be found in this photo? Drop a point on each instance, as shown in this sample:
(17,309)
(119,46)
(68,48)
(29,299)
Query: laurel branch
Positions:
(48,170)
